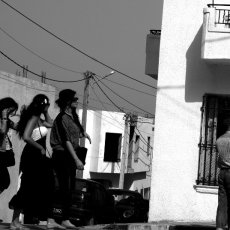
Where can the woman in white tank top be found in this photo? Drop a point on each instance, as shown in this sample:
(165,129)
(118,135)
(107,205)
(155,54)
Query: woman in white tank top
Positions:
(34,197)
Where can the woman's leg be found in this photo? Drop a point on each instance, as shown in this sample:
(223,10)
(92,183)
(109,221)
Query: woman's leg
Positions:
(221,216)
(65,180)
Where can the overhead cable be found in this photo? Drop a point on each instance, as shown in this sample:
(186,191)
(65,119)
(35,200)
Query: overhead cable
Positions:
(31,51)
(9,79)
(73,47)
(125,99)
(125,86)
(104,106)
(109,98)
(50,79)
(64,68)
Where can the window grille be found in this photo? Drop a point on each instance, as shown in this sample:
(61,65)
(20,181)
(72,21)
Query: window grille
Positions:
(212,111)
(137,147)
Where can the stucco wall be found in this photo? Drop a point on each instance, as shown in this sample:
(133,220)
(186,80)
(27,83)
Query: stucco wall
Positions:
(182,81)
(22,90)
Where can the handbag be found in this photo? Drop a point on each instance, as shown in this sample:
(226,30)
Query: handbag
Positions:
(7,158)
(81,153)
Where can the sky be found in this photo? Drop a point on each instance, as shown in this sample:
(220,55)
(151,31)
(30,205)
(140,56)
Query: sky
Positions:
(112,32)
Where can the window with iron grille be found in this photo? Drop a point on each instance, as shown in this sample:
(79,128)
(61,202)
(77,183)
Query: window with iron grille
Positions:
(137,147)
(212,112)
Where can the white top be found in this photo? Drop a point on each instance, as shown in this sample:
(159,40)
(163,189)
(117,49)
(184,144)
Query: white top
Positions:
(39,132)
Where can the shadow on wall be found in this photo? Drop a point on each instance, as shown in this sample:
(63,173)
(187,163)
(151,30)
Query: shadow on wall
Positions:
(199,75)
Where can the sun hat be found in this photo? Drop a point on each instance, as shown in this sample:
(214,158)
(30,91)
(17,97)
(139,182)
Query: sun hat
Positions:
(65,96)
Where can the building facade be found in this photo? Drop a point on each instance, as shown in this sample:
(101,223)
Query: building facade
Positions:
(192,97)
(104,156)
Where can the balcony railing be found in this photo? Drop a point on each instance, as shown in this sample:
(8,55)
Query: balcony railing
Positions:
(155,32)
(216,34)
(222,13)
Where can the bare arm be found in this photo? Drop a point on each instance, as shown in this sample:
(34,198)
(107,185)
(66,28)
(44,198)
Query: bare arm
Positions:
(3,122)
(86,135)
(71,150)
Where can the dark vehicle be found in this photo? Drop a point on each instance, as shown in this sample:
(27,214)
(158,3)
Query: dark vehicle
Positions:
(130,206)
(91,204)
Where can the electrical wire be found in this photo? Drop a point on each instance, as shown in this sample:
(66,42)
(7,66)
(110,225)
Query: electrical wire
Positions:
(103,102)
(143,138)
(105,107)
(125,86)
(50,79)
(37,55)
(23,84)
(124,99)
(64,68)
(121,126)
(39,89)
(73,47)
(108,97)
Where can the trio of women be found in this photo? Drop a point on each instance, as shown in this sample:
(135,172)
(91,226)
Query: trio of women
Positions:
(34,197)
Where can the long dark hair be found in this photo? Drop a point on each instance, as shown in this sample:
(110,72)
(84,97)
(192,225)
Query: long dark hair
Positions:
(77,121)
(6,103)
(66,97)
(35,108)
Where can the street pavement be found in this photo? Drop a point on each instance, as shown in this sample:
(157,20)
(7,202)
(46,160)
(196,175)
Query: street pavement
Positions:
(131,226)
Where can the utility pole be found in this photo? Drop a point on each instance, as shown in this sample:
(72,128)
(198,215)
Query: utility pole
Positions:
(124,152)
(43,77)
(87,75)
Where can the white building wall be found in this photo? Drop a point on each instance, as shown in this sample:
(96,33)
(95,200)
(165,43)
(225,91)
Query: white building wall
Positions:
(144,130)
(98,124)
(114,123)
(183,79)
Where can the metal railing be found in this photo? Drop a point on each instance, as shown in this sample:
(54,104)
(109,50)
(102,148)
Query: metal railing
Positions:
(207,166)
(155,32)
(222,13)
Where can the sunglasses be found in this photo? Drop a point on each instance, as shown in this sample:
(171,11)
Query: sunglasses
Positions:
(75,99)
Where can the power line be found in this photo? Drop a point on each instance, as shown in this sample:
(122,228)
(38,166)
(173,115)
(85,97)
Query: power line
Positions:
(108,97)
(105,119)
(31,51)
(125,99)
(103,105)
(23,84)
(103,102)
(73,47)
(125,86)
(36,73)
(143,137)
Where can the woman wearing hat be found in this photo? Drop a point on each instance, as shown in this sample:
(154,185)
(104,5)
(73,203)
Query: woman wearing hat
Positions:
(64,140)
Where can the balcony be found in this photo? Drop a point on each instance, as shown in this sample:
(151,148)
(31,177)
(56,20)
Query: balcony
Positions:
(152,53)
(215,47)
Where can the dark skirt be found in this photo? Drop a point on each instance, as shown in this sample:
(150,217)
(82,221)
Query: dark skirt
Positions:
(4,178)
(37,183)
